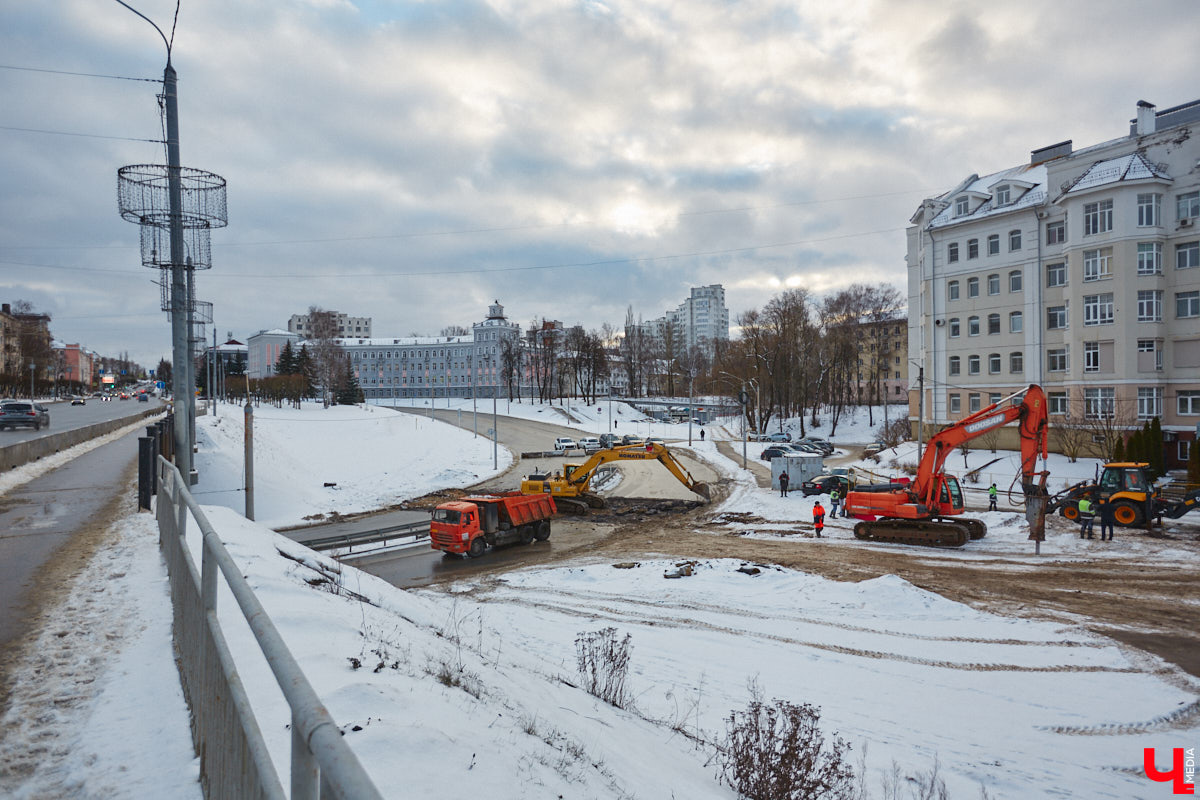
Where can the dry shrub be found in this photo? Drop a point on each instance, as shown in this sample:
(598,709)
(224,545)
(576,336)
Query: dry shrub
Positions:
(603,661)
(778,752)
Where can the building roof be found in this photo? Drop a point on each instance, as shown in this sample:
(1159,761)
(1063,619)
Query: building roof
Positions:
(1124,169)
(404,341)
(1030,178)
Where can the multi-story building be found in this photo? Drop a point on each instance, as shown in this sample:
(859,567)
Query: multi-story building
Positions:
(347,326)
(437,366)
(263,349)
(883,361)
(1079,271)
(699,321)
(76,366)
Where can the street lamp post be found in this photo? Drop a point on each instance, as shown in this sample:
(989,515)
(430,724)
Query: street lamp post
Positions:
(474,404)
(32,367)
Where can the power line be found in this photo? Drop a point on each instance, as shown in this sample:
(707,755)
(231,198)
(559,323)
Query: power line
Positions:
(84,135)
(496,270)
(80,74)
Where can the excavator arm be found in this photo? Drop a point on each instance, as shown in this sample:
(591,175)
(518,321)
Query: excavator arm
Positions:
(582,475)
(1030,411)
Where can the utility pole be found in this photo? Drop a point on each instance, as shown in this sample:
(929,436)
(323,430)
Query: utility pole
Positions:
(920,413)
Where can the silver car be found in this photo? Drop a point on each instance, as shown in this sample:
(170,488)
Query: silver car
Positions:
(23,414)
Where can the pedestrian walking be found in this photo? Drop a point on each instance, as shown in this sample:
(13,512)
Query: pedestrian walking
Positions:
(783,483)
(1086,515)
(1108,516)
(702,434)
(992,497)
(818,518)
(834,499)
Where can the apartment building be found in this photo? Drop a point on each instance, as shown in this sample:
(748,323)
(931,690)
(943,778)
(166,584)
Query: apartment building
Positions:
(346,325)
(1079,271)
(883,361)
(699,321)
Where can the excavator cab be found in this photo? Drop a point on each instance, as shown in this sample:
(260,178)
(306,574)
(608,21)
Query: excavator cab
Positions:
(950,497)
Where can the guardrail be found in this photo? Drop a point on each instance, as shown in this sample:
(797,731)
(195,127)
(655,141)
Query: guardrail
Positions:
(414,530)
(18,453)
(234,761)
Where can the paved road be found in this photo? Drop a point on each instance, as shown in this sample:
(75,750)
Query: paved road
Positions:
(42,523)
(66,417)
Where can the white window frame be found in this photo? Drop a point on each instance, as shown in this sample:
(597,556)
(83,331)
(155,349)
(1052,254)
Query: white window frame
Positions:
(1055,271)
(1097,264)
(1057,318)
(1192,309)
(956,403)
(1091,356)
(1187,403)
(972,326)
(1056,231)
(1188,252)
(1149,210)
(1014,240)
(1149,402)
(973,402)
(1097,309)
(993,283)
(974,365)
(954,366)
(955,328)
(972,248)
(1187,205)
(1149,258)
(1097,217)
(1003,194)
(952,290)
(1152,346)
(972,288)
(962,206)
(995,363)
(1060,356)
(1058,403)
(1016,281)
(1016,362)
(993,323)
(1149,305)
(993,245)
(1016,322)
(1099,402)
(951,252)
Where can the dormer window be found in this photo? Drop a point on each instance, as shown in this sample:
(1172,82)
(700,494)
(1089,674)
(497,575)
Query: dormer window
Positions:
(1003,195)
(962,206)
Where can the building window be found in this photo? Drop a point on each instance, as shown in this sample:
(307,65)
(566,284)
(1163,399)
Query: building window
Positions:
(1098,309)
(1097,217)
(972,326)
(1015,281)
(1014,322)
(1099,403)
(1097,264)
(993,363)
(972,248)
(1183,451)
(1091,356)
(1056,318)
(962,206)
(1187,205)
(1187,255)
(955,404)
(1014,240)
(993,244)
(1056,232)
(993,324)
(973,365)
(1149,305)
(973,402)
(954,328)
(1149,258)
(1149,210)
(1187,304)
(1003,193)
(955,365)
(972,287)
(993,284)
(952,290)
(1016,362)
(1149,402)
(1056,402)
(1058,360)
(1056,275)
(952,252)
(1188,403)
(1150,346)
(994,398)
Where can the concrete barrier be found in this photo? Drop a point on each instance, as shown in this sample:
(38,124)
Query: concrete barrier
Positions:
(14,455)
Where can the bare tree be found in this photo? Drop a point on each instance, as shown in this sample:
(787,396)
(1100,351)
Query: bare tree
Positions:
(328,355)
(455,330)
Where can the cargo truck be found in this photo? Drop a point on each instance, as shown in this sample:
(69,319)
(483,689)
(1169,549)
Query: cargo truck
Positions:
(475,523)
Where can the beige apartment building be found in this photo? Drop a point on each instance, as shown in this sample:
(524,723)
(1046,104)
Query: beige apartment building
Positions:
(1079,271)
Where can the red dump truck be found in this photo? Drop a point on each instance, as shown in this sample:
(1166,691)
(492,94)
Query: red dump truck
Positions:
(474,523)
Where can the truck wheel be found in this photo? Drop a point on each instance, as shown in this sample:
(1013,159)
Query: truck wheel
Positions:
(478,547)
(1071,512)
(1127,515)
(527,534)
(543,531)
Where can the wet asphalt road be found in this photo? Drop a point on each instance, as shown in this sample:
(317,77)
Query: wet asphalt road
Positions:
(66,417)
(42,516)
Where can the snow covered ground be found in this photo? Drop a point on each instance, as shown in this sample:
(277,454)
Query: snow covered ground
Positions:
(472,689)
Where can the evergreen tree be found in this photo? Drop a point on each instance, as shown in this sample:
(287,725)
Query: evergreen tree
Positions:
(286,365)
(307,369)
(1158,458)
(1193,465)
(1118,453)
(1133,449)
(348,392)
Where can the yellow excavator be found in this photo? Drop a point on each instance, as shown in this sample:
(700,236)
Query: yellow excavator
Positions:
(571,487)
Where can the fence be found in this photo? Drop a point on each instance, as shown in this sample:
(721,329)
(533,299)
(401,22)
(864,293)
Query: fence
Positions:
(234,761)
(18,453)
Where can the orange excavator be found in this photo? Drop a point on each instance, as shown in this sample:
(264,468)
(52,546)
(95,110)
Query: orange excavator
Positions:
(920,513)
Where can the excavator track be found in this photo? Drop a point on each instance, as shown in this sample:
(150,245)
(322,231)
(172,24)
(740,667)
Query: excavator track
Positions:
(925,532)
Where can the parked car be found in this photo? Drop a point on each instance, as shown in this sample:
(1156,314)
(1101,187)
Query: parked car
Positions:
(779,436)
(565,444)
(775,452)
(824,484)
(590,444)
(874,448)
(656,440)
(78,401)
(608,439)
(23,414)
(631,438)
(825,446)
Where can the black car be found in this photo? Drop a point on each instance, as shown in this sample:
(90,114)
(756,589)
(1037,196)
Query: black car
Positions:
(18,414)
(608,439)
(824,484)
(630,438)
(772,453)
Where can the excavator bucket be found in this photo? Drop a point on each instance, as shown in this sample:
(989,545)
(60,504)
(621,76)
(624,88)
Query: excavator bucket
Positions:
(704,490)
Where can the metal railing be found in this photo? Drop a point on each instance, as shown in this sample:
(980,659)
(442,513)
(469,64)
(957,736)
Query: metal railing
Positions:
(234,761)
(409,530)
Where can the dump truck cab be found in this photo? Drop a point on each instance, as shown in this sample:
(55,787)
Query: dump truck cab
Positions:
(473,524)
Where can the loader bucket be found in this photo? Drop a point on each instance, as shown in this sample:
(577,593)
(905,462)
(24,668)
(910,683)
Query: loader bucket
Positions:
(704,490)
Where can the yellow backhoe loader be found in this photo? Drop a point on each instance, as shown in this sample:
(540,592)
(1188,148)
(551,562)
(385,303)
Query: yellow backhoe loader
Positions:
(571,487)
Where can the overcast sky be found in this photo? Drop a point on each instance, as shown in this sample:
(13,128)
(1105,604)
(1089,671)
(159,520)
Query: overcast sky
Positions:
(413,161)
